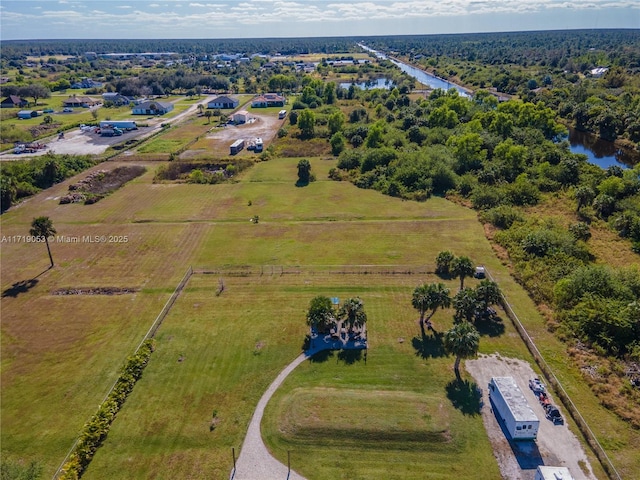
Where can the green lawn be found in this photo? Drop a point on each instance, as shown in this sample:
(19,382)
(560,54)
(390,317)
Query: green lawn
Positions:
(60,354)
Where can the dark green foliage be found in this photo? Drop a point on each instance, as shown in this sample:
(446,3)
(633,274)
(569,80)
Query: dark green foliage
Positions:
(443,262)
(21,178)
(304,172)
(321,315)
(502,216)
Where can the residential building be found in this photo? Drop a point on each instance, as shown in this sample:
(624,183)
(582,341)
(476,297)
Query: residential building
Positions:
(80,101)
(223,102)
(13,101)
(152,107)
(268,100)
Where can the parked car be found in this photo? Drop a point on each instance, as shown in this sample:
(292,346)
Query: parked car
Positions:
(537,386)
(552,413)
(480,272)
(67,109)
(48,110)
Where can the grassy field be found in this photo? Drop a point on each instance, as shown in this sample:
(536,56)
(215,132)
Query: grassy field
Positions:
(60,354)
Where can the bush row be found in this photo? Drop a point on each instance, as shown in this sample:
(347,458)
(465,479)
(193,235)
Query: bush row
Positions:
(96,429)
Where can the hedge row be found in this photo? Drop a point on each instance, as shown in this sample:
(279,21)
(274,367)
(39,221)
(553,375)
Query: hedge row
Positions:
(96,430)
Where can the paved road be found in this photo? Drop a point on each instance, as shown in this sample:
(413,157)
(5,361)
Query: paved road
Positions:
(76,142)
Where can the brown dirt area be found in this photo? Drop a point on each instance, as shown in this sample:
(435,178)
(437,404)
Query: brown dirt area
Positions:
(556,445)
(218,142)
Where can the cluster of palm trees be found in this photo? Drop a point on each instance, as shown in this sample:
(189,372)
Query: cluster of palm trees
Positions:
(471,305)
(322,317)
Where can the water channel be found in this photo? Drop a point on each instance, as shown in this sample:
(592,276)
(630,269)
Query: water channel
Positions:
(599,152)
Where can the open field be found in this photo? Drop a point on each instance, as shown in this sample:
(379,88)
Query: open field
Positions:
(60,354)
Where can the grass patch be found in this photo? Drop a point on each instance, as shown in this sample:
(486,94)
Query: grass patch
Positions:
(60,354)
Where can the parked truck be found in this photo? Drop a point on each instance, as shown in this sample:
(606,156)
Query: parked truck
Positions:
(511,406)
(259,145)
(125,125)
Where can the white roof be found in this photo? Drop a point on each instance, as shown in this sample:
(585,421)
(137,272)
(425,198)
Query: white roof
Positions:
(515,399)
(553,473)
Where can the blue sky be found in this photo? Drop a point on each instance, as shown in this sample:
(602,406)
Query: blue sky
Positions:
(53,19)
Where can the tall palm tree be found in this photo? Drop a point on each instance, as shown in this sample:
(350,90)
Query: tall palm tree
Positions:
(463,341)
(43,227)
(465,302)
(321,315)
(430,297)
(487,294)
(352,313)
(462,267)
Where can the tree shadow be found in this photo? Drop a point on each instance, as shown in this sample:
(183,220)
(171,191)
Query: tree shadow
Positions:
(466,396)
(321,356)
(493,327)
(429,346)
(350,356)
(306,344)
(22,286)
(300,183)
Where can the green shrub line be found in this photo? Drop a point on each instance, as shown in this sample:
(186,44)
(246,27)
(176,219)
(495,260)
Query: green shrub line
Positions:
(95,430)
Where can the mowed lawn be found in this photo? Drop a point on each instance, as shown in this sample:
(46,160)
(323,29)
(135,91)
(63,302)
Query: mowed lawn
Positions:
(340,418)
(61,354)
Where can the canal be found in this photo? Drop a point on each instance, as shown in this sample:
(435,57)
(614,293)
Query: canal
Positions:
(599,152)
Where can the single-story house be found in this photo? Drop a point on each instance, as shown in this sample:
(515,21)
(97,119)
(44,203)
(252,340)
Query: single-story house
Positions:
(117,99)
(152,107)
(241,116)
(13,101)
(268,100)
(24,114)
(223,102)
(76,101)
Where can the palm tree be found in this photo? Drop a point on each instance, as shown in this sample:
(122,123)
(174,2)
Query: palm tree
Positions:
(465,302)
(443,262)
(352,313)
(430,297)
(463,341)
(462,267)
(42,227)
(320,315)
(487,294)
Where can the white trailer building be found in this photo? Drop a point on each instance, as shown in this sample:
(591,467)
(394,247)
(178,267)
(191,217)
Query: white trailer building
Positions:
(512,408)
(544,472)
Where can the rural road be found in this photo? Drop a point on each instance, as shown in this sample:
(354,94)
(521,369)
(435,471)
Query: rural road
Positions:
(556,445)
(77,142)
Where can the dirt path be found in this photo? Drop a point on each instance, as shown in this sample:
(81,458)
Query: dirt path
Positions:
(556,445)
(255,461)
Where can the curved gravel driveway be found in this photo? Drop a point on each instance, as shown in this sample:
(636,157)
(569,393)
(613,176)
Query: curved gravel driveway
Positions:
(255,461)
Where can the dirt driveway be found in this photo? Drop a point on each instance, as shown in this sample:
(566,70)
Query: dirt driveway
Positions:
(556,445)
(262,125)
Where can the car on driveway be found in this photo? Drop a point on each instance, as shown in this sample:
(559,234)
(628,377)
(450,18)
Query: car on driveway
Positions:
(552,413)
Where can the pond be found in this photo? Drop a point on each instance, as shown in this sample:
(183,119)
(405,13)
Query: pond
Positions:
(601,152)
